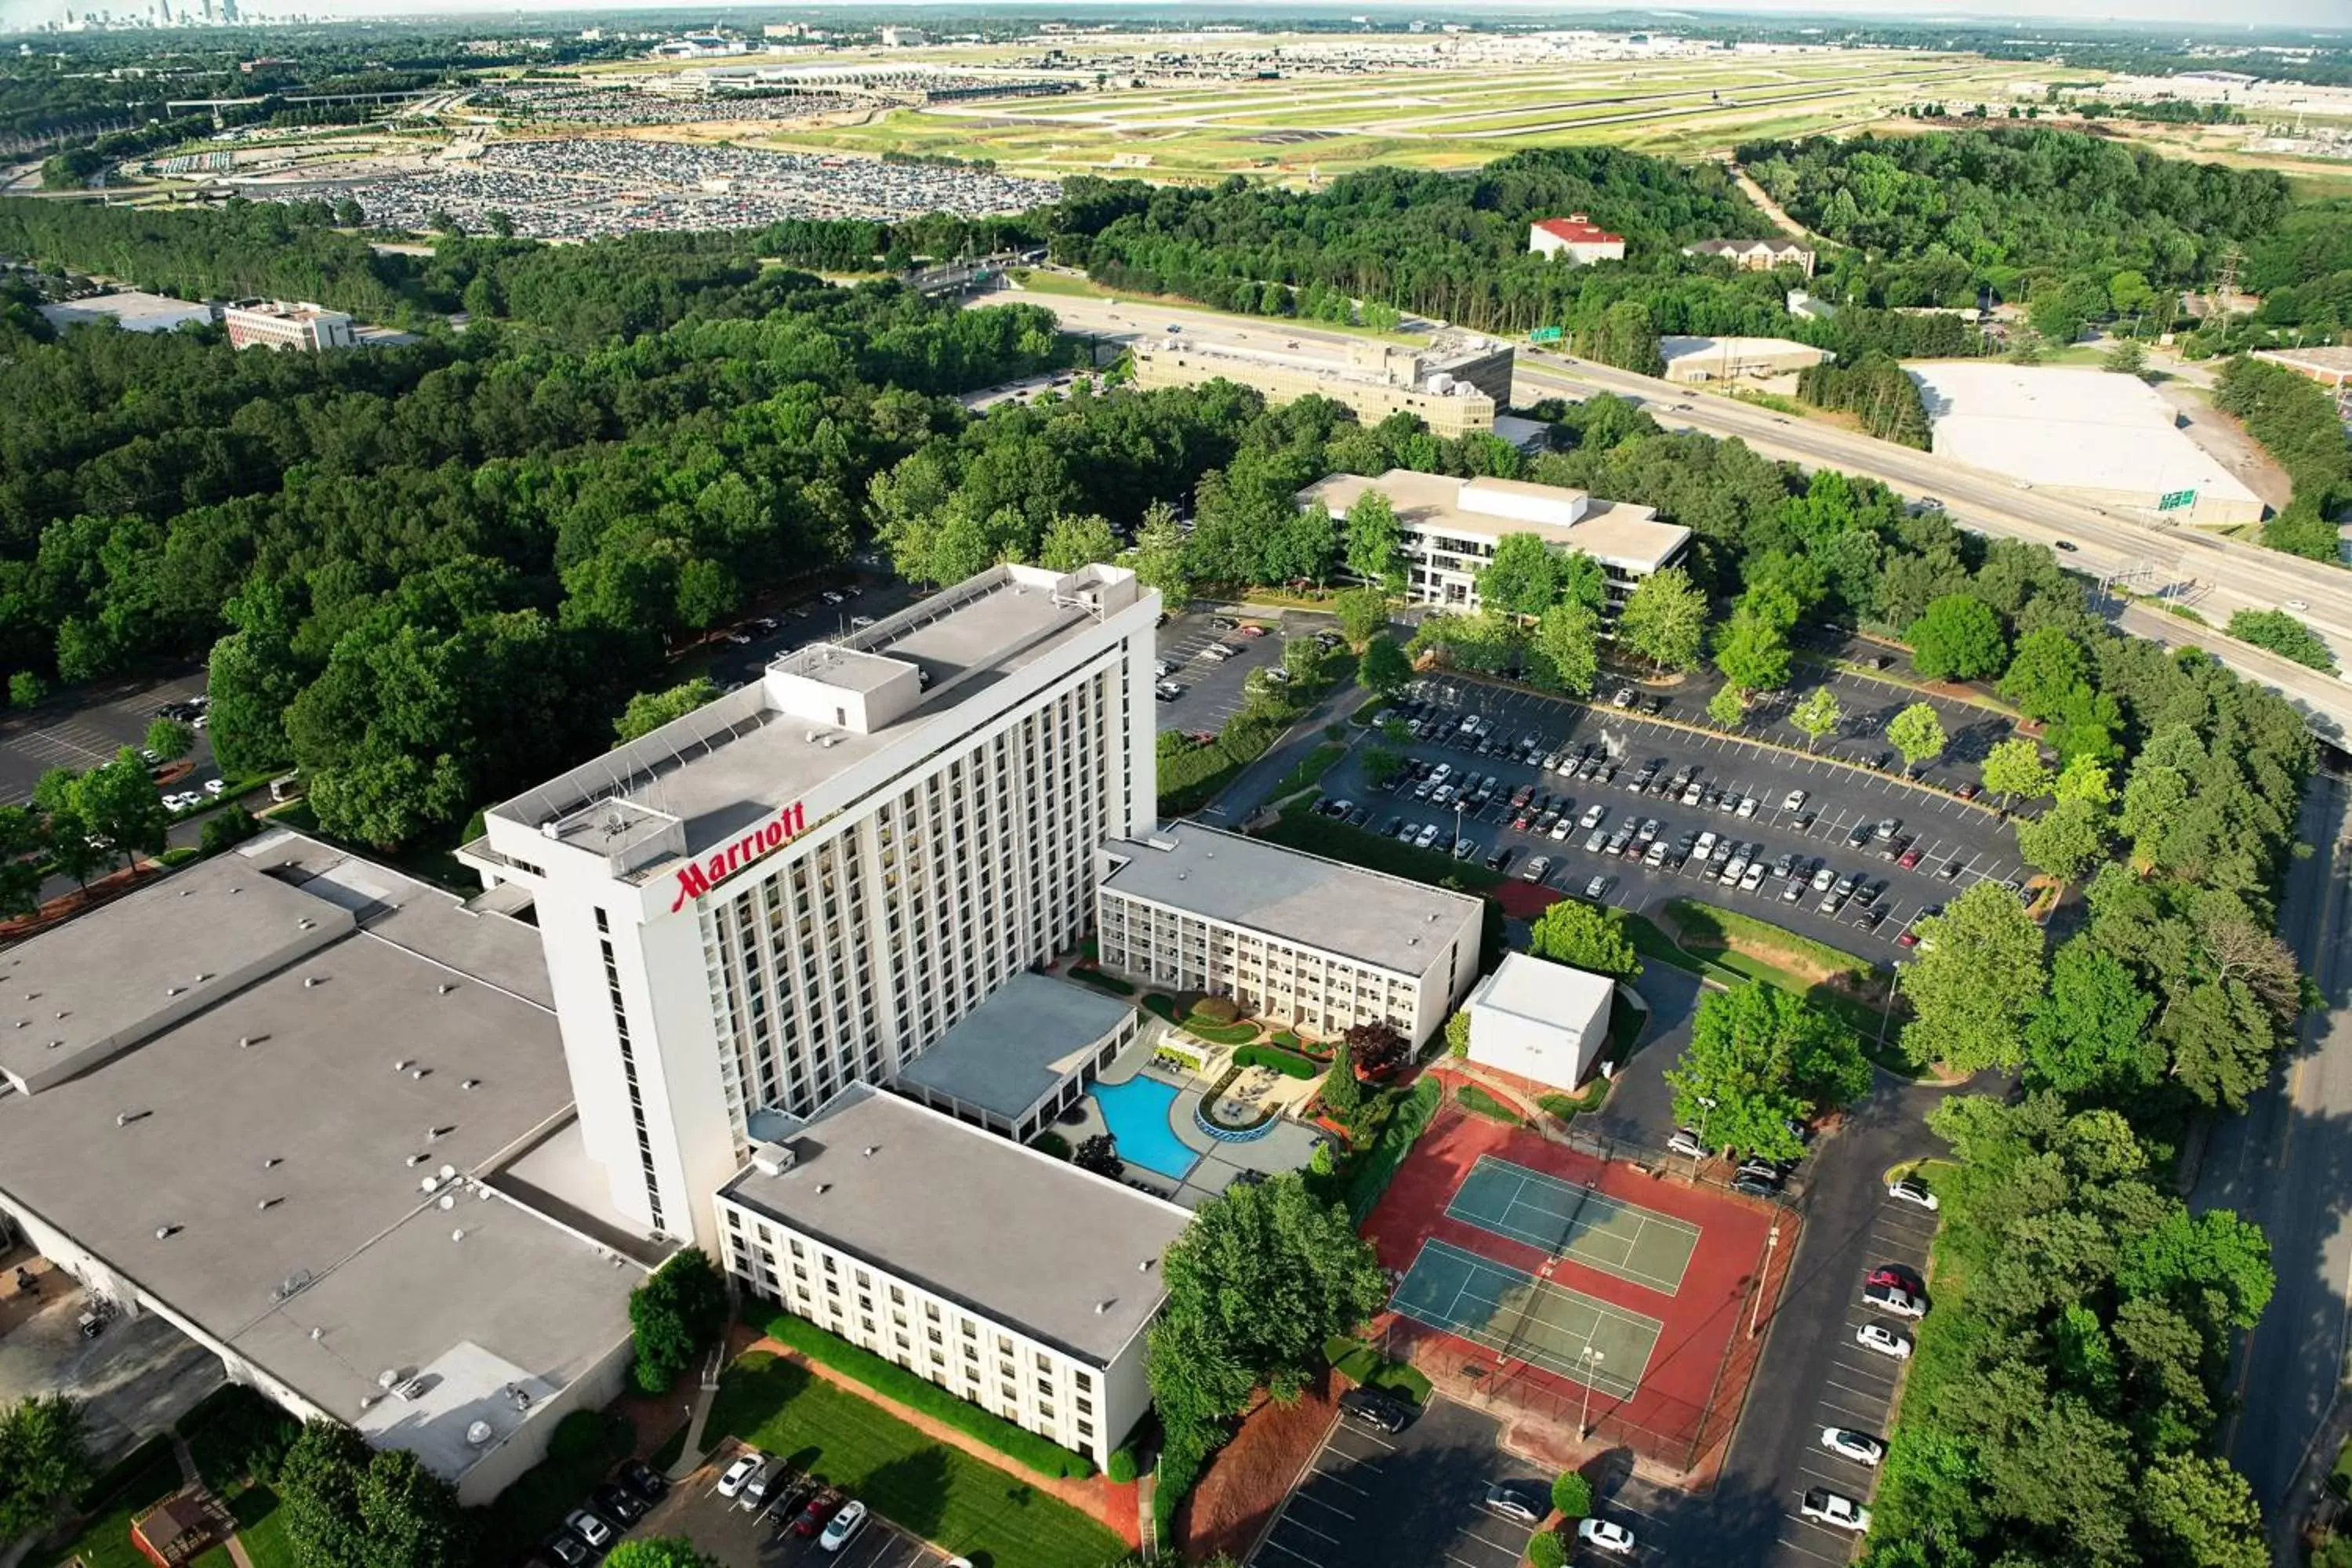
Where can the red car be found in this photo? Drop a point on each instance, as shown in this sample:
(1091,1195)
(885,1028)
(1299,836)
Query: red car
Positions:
(1910,858)
(820,1508)
(1908,939)
(1253,631)
(1901,1277)
(1968,792)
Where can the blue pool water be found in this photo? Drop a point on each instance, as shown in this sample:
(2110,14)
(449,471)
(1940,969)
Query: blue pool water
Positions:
(1136,1112)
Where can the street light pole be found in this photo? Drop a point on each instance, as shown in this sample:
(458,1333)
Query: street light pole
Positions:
(1772,1241)
(1590,1358)
(1457,826)
(1894,974)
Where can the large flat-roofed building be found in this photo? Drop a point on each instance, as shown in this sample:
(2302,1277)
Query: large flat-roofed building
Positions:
(1575,238)
(2330,365)
(1455,388)
(130,309)
(278,1098)
(1023,1056)
(1540,1021)
(1691,360)
(1449,527)
(1290,936)
(2090,435)
(278,325)
(1011,1279)
(807,882)
(1756,255)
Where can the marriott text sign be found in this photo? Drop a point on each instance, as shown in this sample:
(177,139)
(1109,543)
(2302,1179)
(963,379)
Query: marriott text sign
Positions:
(697,878)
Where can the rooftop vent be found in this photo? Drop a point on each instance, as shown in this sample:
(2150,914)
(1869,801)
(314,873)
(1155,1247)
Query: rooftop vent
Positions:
(266,1205)
(457,1235)
(166,1232)
(428,1183)
(772,1158)
(479,1434)
(446,988)
(471,1083)
(870,1150)
(448,1172)
(125,1118)
(448,1202)
(402,1065)
(271,1162)
(823,1187)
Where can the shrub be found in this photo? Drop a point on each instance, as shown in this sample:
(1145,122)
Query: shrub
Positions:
(676,1314)
(233,1433)
(1217,1010)
(1411,1119)
(919,1394)
(1573,1495)
(1548,1550)
(156,1451)
(575,1436)
(1121,1467)
(1289,1063)
(224,829)
(1050,1142)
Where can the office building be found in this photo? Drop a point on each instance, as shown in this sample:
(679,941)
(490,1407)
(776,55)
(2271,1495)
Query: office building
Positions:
(130,309)
(1009,1277)
(1454,388)
(1540,1021)
(807,882)
(1315,944)
(276,324)
(1692,360)
(1575,238)
(2327,363)
(1448,528)
(315,1115)
(1756,255)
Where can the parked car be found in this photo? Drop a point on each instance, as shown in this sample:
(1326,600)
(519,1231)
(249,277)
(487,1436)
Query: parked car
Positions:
(589,1528)
(1793,801)
(843,1528)
(1900,1276)
(1895,1300)
(644,1480)
(1848,1444)
(1835,1510)
(1536,869)
(1914,1191)
(1597,888)
(1528,1502)
(568,1551)
(731,1482)
(614,1504)
(1604,1536)
(817,1510)
(1885,1340)
(1684,1142)
(1369,1407)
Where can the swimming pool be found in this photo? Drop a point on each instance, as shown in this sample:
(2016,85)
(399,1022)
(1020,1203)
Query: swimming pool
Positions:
(1137,1113)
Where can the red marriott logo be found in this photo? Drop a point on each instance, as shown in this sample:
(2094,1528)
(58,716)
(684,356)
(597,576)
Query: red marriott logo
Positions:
(698,878)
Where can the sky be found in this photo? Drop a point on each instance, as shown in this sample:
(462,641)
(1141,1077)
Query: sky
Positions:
(2333,18)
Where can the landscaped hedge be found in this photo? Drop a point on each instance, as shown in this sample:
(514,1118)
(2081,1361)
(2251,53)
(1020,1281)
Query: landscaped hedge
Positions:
(1412,1118)
(888,1378)
(1050,1142)
(1289,1063)
(1121,1469)
(233,1433)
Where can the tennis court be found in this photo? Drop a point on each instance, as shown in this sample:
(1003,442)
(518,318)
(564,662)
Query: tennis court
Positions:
(1521,1317)
(1567,1219)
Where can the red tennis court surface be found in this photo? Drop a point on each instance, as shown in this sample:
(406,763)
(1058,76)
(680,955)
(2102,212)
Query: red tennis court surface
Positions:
(1691,1392)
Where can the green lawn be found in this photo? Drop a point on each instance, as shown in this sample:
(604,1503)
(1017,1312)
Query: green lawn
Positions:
(1477,1100)
(939,1493)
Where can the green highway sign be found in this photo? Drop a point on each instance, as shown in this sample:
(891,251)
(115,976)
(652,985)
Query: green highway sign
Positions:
(2173,500)
(1545,335)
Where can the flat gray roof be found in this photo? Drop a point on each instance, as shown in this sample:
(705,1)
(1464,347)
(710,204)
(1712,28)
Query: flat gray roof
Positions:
(1367,916)
(737,760)
(1019,1045)
(1545,993)
(271,1143)
(1619,532)
(1025,1238)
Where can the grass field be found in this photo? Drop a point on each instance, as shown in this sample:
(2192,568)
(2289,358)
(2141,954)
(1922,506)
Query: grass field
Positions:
(939,1493)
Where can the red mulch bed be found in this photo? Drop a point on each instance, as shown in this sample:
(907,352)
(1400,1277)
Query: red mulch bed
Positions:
(1247,1478)
(1523,900)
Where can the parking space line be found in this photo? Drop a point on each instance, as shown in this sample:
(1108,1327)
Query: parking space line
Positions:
(1304,1496)
(1289,1551)
(1295,1522)
(1336,1480)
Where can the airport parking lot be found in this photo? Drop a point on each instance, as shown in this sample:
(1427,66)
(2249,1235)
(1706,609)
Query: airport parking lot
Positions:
(728,1533)
(1810,815)
(1209,689)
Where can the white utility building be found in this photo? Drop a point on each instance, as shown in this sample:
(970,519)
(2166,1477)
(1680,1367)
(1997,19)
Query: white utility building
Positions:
(1540,1021)
(807,882)
(2090,435)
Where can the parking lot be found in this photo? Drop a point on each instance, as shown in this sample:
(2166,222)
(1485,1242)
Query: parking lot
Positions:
(728,1533)
(1796,828)
(1209,689)
(83,736)
(1856,1394)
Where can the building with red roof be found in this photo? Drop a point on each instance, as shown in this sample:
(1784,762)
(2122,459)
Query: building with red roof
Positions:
(1576,236)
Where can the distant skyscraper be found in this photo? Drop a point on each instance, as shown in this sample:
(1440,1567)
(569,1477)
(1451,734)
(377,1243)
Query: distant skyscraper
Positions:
(228,13)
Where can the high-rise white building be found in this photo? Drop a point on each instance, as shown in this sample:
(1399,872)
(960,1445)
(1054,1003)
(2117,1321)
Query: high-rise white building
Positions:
(805,883)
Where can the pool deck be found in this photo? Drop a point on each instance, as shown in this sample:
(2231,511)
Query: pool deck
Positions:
(1287,1146)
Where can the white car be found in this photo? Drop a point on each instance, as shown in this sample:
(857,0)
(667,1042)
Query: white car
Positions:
(1887,1342)
(741,1470)
(1793,801)
(1596,888)
(1912,1190)
(1594,815)
(1835,1510)
(1747,805)
(843,1528)
(1848,1444)
(590,1529)
(1895,1300)
(1684,1142)
(215,786)
(1600,1534)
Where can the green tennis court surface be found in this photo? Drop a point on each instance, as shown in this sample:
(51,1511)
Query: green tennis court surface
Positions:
(1571,1221)
(1519,1316)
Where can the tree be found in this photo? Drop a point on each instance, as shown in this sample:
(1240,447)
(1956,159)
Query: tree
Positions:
(1590,937)
(44,1460)
(1548,1549)
(1752,651)
(1363,613)
(1665,620)
(1378,1048)
(118,801)
(1260,1279)
(21,873)
(1522,578)
(2048,663)
(1759,1058)
(26,689)
(1457,1035)
(2128,357)
(1381,763)
(351,1506)
(411,1515)
(1976,979)
(1727,708)
(659,1552)
(74,847)
(1571,1495)
(649,710)
(2088,1037)
(1343,1097)
(676,1314)
(1070,543)
(171,739)
(1568,641)
(2283,634)
(2202,1513)
(1958,638)
(2013,769)
(1383,668)
(1817,714)
(1918,732)
(1162,558)
(1372,555)
(1099,1154)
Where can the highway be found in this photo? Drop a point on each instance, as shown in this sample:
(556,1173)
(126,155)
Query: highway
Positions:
(2216,577)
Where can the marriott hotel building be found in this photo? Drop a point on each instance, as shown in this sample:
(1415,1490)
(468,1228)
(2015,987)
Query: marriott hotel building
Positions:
(804,884)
